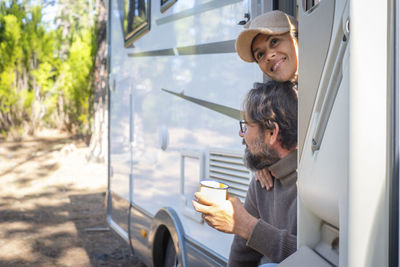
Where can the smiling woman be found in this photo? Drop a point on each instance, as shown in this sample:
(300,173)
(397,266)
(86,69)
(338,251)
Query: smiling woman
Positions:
(271,42)
(275,56)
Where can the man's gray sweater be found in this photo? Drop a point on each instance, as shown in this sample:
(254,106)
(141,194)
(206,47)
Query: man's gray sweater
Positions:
(274,235)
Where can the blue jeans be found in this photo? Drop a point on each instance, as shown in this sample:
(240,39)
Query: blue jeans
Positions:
(268,265)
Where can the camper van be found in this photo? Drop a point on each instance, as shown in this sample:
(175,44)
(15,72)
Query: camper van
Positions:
(176,87)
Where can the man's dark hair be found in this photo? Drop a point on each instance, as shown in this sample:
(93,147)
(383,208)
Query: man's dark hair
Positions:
(274,102)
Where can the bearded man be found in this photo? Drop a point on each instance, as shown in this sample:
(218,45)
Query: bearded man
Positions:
(266,225)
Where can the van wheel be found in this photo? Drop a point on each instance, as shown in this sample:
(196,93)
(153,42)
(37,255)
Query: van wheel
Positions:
(171,259)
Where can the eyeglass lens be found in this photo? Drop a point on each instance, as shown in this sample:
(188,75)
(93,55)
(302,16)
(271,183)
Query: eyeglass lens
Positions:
(243,127)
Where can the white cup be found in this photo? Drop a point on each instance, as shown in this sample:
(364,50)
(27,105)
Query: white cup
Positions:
(214,191)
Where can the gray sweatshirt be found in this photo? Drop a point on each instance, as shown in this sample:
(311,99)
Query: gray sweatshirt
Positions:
(274,235)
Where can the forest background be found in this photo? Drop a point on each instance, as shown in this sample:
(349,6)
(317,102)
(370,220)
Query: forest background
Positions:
(53,77)
(53,72)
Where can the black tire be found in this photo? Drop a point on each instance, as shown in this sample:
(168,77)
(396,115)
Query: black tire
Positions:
(171,258)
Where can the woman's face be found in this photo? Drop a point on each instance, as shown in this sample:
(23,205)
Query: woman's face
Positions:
(276,55)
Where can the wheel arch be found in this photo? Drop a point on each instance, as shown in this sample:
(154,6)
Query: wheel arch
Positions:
(166,223)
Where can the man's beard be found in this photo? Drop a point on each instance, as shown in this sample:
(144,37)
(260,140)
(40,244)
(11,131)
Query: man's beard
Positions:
(264,157)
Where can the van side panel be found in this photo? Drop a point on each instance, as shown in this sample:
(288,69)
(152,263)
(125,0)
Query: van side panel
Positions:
(175,101)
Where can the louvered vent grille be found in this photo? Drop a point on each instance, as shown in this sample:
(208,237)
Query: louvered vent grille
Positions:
(227,167)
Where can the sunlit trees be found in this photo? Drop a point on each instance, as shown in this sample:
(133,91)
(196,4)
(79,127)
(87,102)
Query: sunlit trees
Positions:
(46,70)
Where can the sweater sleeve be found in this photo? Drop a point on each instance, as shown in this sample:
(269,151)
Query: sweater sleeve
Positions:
(240,254)
(276,244)
(265,239)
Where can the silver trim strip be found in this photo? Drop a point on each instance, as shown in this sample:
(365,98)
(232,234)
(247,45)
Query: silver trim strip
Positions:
(201,49)
(141,210)
(154,53)
(196,10)
(210,48)
(212,254)
(228,111)
(121,232)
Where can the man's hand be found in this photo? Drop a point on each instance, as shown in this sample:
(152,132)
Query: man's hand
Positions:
(229,216)
(265,178)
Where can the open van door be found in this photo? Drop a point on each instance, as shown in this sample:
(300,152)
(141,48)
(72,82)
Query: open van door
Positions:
(348,134)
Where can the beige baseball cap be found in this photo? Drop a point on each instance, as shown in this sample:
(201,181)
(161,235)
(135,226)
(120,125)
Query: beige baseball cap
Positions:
(274,22)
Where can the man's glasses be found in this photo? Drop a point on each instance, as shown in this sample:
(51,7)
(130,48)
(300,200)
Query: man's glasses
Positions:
(243,126)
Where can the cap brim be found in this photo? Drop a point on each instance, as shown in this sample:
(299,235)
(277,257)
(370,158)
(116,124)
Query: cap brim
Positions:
(245,39)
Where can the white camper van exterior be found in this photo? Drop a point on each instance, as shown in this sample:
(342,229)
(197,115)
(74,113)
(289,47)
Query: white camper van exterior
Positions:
(175,91)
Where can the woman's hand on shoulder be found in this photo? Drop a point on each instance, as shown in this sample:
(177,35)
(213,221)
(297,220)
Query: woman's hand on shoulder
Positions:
(264,177)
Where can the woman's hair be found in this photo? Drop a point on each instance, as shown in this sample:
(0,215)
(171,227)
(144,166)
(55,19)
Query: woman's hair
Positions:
(273,102)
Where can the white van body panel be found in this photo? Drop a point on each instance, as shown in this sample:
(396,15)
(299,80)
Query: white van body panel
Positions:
(160,142)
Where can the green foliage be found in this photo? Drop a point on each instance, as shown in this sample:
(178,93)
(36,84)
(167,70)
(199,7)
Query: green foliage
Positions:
(45,72)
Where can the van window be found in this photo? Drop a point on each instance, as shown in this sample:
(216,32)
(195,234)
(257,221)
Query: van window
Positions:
(308,4)
(136,20)
(165,4)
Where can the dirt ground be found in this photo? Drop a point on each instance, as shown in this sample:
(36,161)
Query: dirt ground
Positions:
(52,206)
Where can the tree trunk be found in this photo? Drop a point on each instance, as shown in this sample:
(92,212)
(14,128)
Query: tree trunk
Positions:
(98,142)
